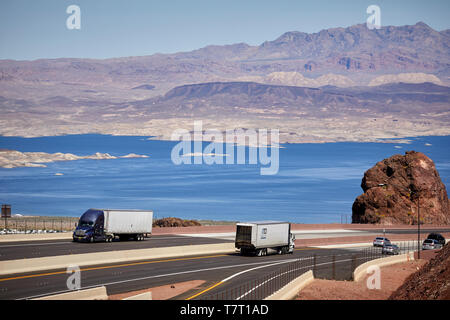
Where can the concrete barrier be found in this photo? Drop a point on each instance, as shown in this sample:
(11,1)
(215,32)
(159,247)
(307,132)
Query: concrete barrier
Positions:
(98,293)
(141,296)
(110,257)
(35,237)
(361,271)
(291,290)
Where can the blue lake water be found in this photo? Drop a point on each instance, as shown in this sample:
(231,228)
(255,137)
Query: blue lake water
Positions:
(316,183)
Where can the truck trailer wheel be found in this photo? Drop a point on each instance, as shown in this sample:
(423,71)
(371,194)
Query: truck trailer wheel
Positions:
(261,252)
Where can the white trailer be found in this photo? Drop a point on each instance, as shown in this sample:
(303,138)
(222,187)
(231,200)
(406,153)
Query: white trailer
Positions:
(259,236)
(107,224)
(128,221)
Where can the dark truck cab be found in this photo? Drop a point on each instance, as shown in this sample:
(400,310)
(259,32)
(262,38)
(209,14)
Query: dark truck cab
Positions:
(90,227)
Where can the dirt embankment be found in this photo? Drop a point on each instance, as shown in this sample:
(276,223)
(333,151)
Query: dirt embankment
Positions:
(427,278)
(431,282)
(391,278)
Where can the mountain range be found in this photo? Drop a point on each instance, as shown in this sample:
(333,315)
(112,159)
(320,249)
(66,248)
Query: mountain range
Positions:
(347,56)
(338,84)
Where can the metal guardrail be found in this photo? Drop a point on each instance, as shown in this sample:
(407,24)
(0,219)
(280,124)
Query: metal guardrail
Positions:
(27,225)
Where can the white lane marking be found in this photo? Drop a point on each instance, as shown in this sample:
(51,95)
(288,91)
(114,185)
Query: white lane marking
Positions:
(248,270)
(31,244)
(65,242)
(268,280)
(155,276)
(328,231)
(209,235)
(279,275)
(309,232)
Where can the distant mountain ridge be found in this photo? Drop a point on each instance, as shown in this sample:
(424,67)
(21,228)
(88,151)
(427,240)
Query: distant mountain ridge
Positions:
(339,84)
(338,56)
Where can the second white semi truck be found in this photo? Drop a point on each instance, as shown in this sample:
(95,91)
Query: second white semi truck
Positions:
(259,236)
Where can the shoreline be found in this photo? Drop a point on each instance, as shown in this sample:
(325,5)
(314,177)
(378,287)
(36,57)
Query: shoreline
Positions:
(12,159)
(402,139)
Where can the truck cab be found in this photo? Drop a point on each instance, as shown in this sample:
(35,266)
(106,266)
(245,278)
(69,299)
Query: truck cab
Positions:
(291,243)
(90,227)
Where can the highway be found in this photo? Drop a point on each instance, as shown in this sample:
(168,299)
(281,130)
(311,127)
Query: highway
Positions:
(126,277)
(47,248)
(131,276)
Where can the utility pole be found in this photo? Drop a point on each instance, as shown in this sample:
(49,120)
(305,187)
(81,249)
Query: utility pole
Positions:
(418,228)
(418,213)
(6,213)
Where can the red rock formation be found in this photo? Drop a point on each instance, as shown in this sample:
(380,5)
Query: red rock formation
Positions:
(394,188)
(175,222)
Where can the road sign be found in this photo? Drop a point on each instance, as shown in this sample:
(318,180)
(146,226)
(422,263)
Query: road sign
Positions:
(6,211)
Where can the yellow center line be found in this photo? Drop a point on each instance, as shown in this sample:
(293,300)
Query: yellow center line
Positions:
(127,265)
(207,289)
(221,282)
(309,248)
(110,267)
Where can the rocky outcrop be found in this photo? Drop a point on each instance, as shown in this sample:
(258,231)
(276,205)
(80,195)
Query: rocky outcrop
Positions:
(396,187)
(175,222)
(13,159)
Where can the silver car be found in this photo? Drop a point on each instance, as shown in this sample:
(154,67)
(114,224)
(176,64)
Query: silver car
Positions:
(430,244)
(380,241)
(390,249)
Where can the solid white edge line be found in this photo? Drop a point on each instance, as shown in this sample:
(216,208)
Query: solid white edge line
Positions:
(155,276)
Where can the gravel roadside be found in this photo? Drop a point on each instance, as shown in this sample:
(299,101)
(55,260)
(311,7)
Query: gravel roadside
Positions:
(392,277)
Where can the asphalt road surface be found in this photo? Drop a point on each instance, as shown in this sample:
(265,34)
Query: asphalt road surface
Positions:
(36,249)
(119,278)
(28,249)
(125,277)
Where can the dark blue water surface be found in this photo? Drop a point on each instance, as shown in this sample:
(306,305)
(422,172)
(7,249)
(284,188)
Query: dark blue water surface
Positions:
(316,183)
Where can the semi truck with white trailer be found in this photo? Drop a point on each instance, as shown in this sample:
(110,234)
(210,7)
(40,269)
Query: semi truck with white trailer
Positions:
(108,224)
(260,236)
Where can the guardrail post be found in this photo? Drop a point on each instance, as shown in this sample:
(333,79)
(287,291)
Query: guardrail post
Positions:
(334,267)
(353,263)
(314,264)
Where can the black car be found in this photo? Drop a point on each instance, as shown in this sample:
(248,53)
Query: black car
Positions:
(438,237)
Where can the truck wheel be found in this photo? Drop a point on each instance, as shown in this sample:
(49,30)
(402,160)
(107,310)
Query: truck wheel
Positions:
(259,252)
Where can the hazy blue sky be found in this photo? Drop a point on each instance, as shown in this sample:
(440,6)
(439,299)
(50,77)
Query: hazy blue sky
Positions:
(37,28)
